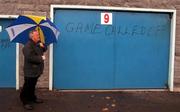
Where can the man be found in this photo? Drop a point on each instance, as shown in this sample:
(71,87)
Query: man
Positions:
(33,67)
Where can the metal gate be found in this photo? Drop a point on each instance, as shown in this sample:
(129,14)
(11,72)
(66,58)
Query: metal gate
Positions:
(7,57)
(133,52)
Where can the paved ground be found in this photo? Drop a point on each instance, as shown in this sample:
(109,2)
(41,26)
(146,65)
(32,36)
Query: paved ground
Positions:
(94,101)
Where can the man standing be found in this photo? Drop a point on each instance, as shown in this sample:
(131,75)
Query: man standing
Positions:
(33,67)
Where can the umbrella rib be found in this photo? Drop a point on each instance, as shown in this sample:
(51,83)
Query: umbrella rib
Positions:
(55,31)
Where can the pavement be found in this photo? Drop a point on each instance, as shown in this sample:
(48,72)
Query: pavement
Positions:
(123,101)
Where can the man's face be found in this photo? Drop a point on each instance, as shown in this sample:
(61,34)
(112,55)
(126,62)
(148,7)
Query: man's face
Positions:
(35,36)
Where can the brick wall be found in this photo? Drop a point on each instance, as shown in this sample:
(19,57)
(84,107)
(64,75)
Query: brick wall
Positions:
(42,7)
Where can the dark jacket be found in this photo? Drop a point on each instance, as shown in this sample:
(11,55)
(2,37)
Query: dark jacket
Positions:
(33,62)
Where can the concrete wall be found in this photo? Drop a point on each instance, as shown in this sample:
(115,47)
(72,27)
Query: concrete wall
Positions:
(42,7)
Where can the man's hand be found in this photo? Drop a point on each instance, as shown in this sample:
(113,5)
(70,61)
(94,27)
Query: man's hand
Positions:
(41,45)
(43,57)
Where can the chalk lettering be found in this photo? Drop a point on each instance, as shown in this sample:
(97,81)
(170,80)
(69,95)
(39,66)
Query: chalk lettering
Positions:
(79,27)
(124,31)
(4,43)
(69,27)
(108,30)
(88,28)
(135,30)
(159,29)
(97,29)
(143,30)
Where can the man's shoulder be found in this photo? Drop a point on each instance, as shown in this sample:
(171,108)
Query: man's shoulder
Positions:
(29,43)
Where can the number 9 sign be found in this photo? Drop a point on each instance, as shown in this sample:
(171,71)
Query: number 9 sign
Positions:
(106,18)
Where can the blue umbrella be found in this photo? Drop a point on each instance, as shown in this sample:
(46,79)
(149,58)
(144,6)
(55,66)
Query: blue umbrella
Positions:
(19,30)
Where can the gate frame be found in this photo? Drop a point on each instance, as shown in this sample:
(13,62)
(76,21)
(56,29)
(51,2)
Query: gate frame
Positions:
(172,36)
(17,50)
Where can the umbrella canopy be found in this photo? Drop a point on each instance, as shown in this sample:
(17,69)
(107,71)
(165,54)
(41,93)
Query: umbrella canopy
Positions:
(19,30)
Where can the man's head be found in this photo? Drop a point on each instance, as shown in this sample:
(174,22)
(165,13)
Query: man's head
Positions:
(34,35)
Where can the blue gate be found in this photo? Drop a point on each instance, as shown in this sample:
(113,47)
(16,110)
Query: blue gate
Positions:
(7,57)
(133,52)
